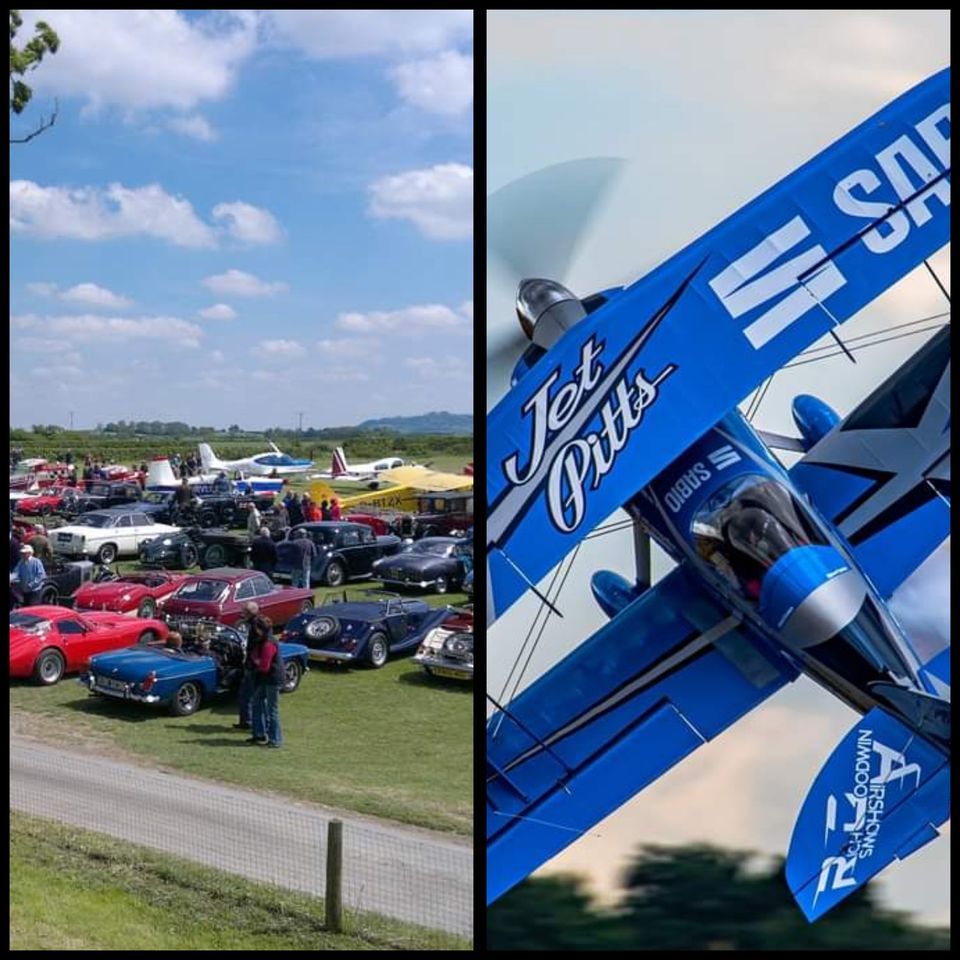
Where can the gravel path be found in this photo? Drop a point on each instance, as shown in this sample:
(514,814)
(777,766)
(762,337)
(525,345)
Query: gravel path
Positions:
(403,872)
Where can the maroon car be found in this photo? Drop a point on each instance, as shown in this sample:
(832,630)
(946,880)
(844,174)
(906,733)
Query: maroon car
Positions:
(221,593)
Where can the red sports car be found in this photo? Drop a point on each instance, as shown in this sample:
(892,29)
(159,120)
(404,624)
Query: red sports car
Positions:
(47,642)
(221,593)
(140,593)
(46,502)
(377,524)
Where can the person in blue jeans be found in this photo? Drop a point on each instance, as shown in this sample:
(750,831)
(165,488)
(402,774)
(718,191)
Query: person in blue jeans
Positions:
(245,694)
(266,696)
(300,577)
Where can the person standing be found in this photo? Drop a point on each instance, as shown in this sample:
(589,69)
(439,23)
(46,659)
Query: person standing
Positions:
(307,551)
(268,683)
(246,627)
(325,510)
(283,518)
(263,552)
(15,546)
(334,509)
(254,523)
(295,511)
(41,545)
(30,575)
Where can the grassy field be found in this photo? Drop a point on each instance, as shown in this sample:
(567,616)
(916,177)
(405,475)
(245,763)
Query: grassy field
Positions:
(75,890)
(390,742)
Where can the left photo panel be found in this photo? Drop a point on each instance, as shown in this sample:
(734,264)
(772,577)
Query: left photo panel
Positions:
(241,479)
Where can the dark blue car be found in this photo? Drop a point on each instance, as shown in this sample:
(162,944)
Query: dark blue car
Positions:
(364,631)
(344,551)
(210,664)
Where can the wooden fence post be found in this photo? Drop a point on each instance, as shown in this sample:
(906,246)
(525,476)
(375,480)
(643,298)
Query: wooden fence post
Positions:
(334,891)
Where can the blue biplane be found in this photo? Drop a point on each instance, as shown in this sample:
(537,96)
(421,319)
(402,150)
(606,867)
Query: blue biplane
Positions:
(628,398)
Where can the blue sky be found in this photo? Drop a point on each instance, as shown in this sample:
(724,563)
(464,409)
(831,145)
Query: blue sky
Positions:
(240,216)
(709,108)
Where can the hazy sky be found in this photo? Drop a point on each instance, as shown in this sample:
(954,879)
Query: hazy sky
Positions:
(242,215)
(709,108)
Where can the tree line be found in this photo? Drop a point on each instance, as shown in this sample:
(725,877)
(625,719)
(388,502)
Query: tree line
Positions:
(696,897)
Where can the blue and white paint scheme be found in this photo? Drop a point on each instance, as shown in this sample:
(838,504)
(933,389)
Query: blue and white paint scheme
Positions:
(274,463)
(160,477)
(628,399)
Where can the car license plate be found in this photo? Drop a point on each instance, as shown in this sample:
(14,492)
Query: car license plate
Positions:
(108,683)
(454,674)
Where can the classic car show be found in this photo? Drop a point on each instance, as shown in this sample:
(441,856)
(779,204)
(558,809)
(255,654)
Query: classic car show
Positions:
(241,349)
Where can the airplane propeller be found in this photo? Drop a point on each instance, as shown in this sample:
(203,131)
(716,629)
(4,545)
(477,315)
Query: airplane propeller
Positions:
(536,227)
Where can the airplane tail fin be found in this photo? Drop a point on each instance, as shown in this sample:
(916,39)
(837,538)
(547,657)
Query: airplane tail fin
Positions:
(208,460)
(339,464)
(160,474)
(880,796)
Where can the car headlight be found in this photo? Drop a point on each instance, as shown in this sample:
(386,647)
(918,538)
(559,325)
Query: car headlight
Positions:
(459,645)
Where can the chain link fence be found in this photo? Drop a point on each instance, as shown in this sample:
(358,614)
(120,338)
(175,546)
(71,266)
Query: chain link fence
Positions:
(401,872)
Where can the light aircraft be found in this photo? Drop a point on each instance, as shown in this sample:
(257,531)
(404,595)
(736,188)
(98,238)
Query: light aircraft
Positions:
(368,473)
(629,398)
(272,464)
(160,477)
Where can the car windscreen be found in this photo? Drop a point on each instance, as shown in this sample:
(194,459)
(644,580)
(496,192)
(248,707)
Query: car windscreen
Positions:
(94,520)
(202,591)
(154,496)
(433,548)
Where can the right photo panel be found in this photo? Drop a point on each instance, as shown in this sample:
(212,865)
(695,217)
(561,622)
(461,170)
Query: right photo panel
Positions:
(718,480)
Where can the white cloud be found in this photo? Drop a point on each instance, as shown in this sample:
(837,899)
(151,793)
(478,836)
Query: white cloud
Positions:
(466,308)
(434,368)
(91,213)
(441,84)
(438,200)
(194,126)
(96,296)
(336,34)
(219,311)
(359,347)
(426,316)
(171,330)
(279,349)
(241,284)
(143,59)
(248,224)
(53,371)
(82,293)
(62,348)
(217,356)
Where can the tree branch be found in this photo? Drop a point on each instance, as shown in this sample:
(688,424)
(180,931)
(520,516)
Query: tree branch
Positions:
(44,125)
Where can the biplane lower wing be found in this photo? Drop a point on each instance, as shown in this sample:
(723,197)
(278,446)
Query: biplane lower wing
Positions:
(669,672)
(882,475)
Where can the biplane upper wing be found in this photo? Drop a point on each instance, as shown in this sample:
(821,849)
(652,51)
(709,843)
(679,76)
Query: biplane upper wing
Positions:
(635,382)
(670,671)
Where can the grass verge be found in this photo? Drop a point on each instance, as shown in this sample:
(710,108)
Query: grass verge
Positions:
(72,889)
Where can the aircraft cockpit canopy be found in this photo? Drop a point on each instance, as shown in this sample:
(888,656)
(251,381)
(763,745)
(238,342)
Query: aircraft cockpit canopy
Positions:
(746,526)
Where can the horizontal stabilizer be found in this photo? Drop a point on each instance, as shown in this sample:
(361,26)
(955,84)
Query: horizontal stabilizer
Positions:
(880,796)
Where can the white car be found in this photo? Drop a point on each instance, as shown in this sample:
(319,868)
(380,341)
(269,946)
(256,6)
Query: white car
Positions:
(104,535)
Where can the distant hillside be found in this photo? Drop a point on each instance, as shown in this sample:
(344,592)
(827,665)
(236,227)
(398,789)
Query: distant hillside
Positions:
(460,424)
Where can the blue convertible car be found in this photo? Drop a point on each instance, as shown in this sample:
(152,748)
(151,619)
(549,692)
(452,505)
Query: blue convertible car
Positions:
(364,631)
(210,663)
